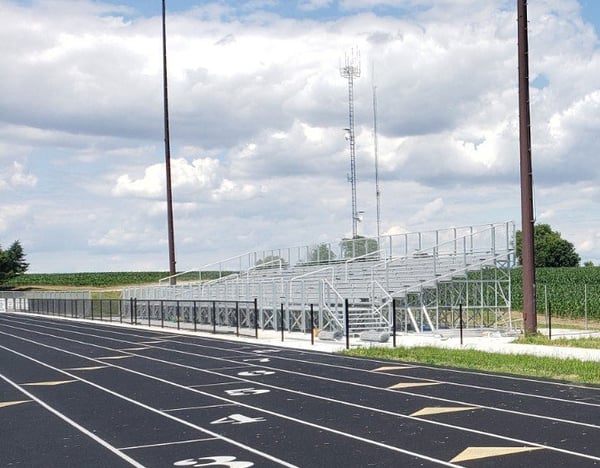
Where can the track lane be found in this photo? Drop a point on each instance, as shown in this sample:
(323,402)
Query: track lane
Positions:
(174,349)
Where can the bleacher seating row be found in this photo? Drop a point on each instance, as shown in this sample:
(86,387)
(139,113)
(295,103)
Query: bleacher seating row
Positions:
(363,287)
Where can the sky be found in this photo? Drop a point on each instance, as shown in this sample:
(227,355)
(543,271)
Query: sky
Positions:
(258,108)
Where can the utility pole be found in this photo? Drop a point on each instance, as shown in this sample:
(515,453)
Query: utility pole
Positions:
(527,215)
(171,234)
(350,69)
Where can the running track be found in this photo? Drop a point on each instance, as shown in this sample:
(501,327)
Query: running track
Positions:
(95,395)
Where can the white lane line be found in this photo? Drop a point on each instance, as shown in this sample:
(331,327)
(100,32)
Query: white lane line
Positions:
(272,413)
(360,385)
(147,407)
(318,397)
(190,408)
(167,444)
(72,423)
(214,384)
(335,366)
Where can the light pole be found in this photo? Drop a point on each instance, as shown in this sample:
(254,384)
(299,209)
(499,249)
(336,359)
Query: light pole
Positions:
(527,215)
(170,229)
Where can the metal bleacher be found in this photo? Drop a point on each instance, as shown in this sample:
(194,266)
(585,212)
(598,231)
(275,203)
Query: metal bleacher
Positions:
(425,278)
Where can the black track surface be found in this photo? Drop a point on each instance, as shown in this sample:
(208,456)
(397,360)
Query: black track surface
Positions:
(94,395)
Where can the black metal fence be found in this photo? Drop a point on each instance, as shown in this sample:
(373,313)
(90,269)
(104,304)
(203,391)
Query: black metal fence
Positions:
(239,317)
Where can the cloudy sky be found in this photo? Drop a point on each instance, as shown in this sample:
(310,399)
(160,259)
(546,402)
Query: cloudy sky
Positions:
(258,108)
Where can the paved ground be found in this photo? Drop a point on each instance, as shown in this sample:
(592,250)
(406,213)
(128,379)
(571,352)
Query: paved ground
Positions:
(97,395)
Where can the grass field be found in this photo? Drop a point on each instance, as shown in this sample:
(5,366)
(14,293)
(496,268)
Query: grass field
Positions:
(570,370)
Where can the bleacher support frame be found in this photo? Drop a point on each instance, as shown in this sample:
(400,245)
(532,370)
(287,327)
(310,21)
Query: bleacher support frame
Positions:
(428,274)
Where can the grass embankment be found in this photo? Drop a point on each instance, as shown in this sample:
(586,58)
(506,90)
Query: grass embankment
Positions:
(571,370)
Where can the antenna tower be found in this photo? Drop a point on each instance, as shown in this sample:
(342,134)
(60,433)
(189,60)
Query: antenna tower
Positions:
(376,154)
(350,69)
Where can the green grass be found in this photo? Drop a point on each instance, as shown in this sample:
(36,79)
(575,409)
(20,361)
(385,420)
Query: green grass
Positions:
(98,279)
(591,343)
(571,370)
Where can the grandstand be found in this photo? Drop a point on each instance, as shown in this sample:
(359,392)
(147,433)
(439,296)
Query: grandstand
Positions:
(417,281)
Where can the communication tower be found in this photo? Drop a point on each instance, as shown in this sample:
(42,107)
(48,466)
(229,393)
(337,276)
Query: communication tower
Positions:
(376,154)
(350,69)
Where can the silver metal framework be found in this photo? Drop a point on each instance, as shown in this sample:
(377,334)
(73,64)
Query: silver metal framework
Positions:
(427,275)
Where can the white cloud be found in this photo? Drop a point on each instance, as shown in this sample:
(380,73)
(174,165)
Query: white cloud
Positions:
(257,108)
(15,176)
(11,215)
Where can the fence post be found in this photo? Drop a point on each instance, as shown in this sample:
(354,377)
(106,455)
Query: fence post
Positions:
(312,324)
(394,322)
(255,317)
(214,316)
(546,301)
(237,318)
(460,322)
(162,314)
(281,322)
(195,317)
(347,323)
(585,304)
(178,313)
(549,322)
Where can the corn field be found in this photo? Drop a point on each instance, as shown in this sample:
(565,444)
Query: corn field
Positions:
(567,292)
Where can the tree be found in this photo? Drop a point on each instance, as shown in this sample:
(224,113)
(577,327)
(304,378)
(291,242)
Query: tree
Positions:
(358,246)
(12,262)
(321,253)
(551,250)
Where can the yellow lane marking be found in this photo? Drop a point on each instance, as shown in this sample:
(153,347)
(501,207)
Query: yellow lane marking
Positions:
(4,404)
(113,357)
(389,368)
(49,383)
(431,410)
(411,385)
(476,453)
(86,368)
